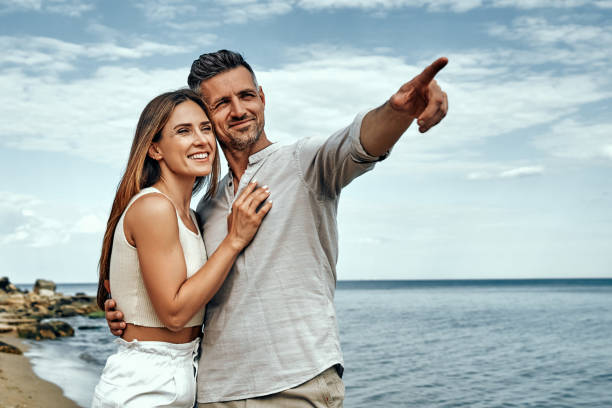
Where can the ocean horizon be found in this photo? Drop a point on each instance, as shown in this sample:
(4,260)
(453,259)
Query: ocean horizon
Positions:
(427,343)
(71,288)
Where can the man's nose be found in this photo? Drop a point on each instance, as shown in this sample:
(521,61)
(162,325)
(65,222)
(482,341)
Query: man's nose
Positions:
(238,109)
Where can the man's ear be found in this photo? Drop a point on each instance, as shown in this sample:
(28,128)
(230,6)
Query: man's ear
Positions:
(262,96)
(154,152)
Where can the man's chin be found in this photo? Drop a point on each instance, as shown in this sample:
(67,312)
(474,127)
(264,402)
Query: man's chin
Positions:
(243,141)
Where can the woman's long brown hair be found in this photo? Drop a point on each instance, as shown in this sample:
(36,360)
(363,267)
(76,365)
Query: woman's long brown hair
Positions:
(142,171)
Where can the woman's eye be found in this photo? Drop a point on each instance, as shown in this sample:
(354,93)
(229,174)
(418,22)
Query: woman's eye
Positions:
(206,128)
(182,131)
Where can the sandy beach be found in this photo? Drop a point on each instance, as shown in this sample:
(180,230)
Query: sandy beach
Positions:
(20,387)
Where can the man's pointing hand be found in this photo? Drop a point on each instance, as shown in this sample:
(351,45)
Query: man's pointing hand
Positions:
(422,98)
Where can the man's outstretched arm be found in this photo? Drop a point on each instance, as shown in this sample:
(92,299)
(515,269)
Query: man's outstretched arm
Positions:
(420,99)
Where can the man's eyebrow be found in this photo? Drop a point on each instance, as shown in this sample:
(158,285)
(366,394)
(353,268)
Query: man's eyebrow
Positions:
(248,90)
(241,92)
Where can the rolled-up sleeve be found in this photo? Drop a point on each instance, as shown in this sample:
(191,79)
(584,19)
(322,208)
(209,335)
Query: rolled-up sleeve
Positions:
(328,165)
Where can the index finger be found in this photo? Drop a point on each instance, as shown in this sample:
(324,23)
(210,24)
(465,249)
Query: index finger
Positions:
(431,71)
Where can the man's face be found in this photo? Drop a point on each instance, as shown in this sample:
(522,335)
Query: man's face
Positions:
(236,108)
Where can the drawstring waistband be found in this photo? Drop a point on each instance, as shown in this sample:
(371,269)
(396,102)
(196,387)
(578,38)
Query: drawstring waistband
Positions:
(190,349)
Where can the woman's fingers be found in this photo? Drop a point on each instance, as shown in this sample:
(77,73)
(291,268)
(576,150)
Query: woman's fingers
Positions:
(245,193)
(264,210)
(257,197)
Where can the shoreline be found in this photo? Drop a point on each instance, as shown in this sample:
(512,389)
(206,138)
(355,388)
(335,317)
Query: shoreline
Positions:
(20,387)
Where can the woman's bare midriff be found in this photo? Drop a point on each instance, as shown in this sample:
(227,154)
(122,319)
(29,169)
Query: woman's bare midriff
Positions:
(142,333)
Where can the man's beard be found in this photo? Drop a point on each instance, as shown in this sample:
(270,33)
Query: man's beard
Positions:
(243,143)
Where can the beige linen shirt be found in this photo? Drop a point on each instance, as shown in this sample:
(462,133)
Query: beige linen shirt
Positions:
(272,325)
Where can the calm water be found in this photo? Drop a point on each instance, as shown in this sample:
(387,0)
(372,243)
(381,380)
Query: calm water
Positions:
(431,344)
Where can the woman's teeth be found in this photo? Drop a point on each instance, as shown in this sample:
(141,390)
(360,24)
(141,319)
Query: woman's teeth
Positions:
(198,156)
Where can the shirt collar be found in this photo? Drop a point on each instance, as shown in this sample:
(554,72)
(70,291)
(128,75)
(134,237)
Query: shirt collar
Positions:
(254,159)
(263,153)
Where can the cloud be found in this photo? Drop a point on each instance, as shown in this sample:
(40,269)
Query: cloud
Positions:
(28,221)
(91,117)
(540,31)
(87,115)
(432,5)
(574,139)
(89,224)
(313,94)
(160,10)
(604,4)
(72,8)
(242,11)
(489,97)
(23,224)
(53,55)
(525,171)
(518,172)
(552,44)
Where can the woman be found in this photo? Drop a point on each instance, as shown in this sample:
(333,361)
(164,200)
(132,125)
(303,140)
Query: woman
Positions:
(155,258)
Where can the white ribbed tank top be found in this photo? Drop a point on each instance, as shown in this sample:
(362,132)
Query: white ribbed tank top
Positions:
(126,284)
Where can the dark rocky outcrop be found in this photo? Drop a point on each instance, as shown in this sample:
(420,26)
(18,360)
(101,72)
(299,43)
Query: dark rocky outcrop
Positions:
(8,348)
(23,312)
(7,287)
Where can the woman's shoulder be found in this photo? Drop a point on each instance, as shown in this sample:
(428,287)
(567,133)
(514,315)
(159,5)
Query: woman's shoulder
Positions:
(153,206)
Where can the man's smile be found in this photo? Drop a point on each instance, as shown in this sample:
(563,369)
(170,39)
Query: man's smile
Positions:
(241,123)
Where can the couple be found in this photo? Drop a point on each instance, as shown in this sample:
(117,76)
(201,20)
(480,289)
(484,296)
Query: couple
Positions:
(263,287)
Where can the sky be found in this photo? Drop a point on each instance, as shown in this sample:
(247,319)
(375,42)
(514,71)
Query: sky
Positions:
(516,182)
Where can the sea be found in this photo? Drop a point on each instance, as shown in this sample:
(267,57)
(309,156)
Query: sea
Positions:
(445,344)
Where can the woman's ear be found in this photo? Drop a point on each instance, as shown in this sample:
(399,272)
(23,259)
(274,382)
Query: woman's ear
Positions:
(154,152)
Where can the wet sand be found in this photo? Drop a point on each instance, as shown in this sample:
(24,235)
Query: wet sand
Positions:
(20,387)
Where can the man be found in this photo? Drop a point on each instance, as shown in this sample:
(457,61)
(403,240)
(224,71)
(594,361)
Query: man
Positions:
(271,336)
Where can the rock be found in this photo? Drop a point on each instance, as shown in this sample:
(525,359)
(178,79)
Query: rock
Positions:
(46,286)
(90,327)
(13,300)
(45,292)
(4,328)
(18,321)
(39,312)
(61,329)
(47,330)
(67,311)
(28,332)
(8,348)
(7,287)
(81,297)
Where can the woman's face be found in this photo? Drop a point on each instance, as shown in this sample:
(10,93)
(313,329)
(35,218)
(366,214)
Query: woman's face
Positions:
(187,146)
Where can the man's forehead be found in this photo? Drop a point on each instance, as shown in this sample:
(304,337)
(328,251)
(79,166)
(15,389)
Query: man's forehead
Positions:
(226,83)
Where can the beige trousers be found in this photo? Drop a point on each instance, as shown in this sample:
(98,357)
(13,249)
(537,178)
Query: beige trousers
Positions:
(326,390)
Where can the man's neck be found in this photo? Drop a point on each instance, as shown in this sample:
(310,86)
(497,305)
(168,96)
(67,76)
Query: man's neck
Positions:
(238,160)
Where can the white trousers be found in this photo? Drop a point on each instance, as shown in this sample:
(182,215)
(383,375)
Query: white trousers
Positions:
(149,374)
